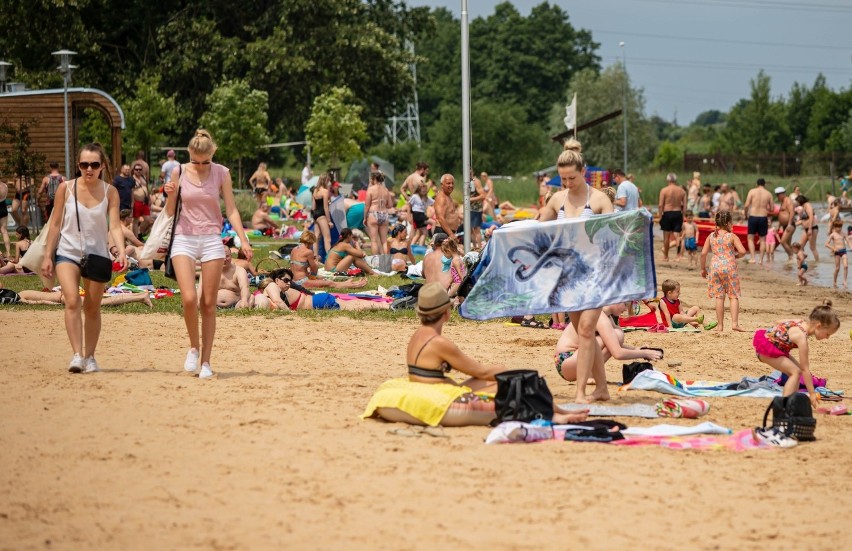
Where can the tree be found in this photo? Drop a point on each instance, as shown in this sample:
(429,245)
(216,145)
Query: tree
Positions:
(757,125)
(151,116)
(335,128)
(709,118)
(18,159)
(236,118)
(669,157)
(598,95)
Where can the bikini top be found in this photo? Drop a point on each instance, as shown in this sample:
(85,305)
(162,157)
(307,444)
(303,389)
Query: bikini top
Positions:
(414,369)
(587,209)
(299,263)
(403,250)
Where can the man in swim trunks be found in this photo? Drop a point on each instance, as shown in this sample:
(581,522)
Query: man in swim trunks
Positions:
(672,207)
(757,207)
(785,220)
(234,289)
(446,209)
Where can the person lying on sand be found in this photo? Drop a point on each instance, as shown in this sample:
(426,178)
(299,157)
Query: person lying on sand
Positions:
(278,293)
(304,264)
(610,339)
(55,298)
(431,356)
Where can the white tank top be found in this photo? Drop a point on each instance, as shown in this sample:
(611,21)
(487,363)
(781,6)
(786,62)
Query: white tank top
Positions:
(92,238)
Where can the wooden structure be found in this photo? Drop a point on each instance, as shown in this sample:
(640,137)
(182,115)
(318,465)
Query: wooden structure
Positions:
(45,107)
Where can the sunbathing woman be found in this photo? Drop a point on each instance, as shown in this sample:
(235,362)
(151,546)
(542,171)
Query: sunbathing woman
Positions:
(345,253)
(303,262)
(429,396)
(14,266)
(400,247)
(610,339)
(280,294)
(55,298)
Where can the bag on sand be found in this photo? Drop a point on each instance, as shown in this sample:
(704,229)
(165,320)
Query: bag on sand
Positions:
(793,416)
(629,371)
(8,296)
(522,395)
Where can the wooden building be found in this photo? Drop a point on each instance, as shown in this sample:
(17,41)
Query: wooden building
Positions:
(45,107)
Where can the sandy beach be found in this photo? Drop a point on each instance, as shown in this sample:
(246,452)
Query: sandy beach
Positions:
(272,454)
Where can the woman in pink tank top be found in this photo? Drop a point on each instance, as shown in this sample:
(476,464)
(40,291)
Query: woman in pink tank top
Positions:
(198,239)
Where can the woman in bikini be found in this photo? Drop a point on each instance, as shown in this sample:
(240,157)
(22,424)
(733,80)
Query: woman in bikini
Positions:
(319,211)
(431,357)
(260,181)
(278,293)
(345,253)
(376,205)
(610,339)
(304,264)
(809,224)
(15,266)
(399,247)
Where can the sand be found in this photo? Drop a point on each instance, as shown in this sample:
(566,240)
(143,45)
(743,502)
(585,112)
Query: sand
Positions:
(272,453)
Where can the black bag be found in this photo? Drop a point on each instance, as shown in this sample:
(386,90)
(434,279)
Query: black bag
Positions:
(168,268)
(8,296)
(793,416)
(522,395)
(629,371)
(93,267)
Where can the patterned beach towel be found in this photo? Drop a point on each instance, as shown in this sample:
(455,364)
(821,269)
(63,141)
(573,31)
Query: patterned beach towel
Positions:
(564,266)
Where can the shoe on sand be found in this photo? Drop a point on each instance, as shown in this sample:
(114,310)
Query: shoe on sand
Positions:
(77,364)
(191,363)
(205,372)
(711,325)
(772,436)
(91,365)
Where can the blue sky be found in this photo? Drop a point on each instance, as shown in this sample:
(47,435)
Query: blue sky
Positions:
(690,56)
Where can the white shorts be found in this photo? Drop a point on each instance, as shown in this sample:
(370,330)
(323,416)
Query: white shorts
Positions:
(199,247)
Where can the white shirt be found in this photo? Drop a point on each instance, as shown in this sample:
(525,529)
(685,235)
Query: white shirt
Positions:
(168,167)
(629,190)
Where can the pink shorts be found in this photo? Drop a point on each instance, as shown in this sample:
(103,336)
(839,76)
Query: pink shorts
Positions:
(764,347)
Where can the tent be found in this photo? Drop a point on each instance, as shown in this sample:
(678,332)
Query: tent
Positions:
(359,172)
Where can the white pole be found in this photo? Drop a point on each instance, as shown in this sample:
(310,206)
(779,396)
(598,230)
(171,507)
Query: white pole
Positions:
(465,63)
(68,173)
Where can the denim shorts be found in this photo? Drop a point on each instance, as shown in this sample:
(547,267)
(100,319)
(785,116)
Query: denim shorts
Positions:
(58,259)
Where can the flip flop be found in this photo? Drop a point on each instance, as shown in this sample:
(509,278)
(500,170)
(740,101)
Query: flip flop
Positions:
(534,323)
(700,319)
(711,325)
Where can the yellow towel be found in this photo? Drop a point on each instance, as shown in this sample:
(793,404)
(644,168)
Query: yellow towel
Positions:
(425,401)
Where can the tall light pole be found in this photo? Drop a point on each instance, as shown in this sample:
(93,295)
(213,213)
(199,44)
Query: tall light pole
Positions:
(624,99)
(65,68)
(465,67)
(4,67)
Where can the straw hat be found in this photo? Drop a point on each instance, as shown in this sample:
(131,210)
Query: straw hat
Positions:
(432,299)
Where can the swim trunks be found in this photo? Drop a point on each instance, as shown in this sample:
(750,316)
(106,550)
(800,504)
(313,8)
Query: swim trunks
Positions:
(672,221)
(840,252)
(690,244)
(325,301)
(758,225)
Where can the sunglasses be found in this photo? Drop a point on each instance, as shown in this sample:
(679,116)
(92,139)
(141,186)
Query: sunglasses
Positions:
(138,168)
(286,279)
(85,166)
(199,162)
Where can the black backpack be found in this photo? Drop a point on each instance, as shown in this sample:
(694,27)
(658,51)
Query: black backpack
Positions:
(522,395)
(629,371)
(793,416)
(8,296)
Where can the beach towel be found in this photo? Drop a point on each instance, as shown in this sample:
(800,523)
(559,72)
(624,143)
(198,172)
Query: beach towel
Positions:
(634,410)
(677,430)
(738,442)
(564,266)
(665,383)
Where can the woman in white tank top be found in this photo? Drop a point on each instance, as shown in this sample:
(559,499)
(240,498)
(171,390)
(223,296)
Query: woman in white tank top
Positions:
(96,203)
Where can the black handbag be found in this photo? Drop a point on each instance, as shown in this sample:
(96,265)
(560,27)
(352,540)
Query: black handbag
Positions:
(522,395)
(168,268)
(629,371)
(93,267)
(793,416)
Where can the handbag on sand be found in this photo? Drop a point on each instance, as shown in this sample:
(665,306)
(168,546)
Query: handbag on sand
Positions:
(793,416)
(522,395)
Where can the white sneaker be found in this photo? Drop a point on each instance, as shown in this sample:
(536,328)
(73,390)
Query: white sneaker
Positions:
(91,365)
(205,372)
(772,436)
(77,364)
(191,363)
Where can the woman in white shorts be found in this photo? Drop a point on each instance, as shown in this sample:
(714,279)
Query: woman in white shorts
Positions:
(197,239)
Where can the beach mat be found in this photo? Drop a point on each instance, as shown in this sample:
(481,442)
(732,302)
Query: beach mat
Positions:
(634,410)
(662,382)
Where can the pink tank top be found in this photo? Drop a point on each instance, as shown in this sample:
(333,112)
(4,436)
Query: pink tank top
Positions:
(200,213)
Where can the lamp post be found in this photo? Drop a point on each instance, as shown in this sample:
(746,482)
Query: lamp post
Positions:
(4,67)
(65,68)
(624,99)
(465,67)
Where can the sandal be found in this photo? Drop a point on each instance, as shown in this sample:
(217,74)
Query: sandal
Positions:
(711,325)
(533,323)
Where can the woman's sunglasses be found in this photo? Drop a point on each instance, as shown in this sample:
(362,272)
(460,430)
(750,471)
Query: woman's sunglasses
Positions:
(199,162)
(286,279)
(85,166)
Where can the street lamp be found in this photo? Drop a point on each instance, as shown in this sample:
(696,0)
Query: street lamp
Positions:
(66,68)
(624,99)
(4,67)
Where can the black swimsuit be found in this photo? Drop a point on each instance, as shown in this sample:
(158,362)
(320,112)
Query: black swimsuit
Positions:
(428,373)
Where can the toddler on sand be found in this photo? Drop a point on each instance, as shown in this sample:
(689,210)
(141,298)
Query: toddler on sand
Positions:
(672,312)
(723,278)
(838,243)
(690,238)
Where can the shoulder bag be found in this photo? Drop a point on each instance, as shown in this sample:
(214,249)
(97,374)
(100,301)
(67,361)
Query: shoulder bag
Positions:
(93,267)
(522,395)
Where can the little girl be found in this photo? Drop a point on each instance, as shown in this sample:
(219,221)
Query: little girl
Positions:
(801,263)
(724,279)
(452,263)
(773,346)
(772,241)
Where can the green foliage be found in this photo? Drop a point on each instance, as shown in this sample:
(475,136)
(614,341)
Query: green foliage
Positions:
(757,125)
(598,95)
(94,129)
(403,156)
(236,118)
(669,157)
(151,115)
(709,118)
(335,128)
(18,160)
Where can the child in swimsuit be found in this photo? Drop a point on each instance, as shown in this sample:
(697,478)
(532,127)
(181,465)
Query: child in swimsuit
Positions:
(690,238)
(801,263)
(671,309)
(452,262)
(772,238)
(837,243)
(773,346)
